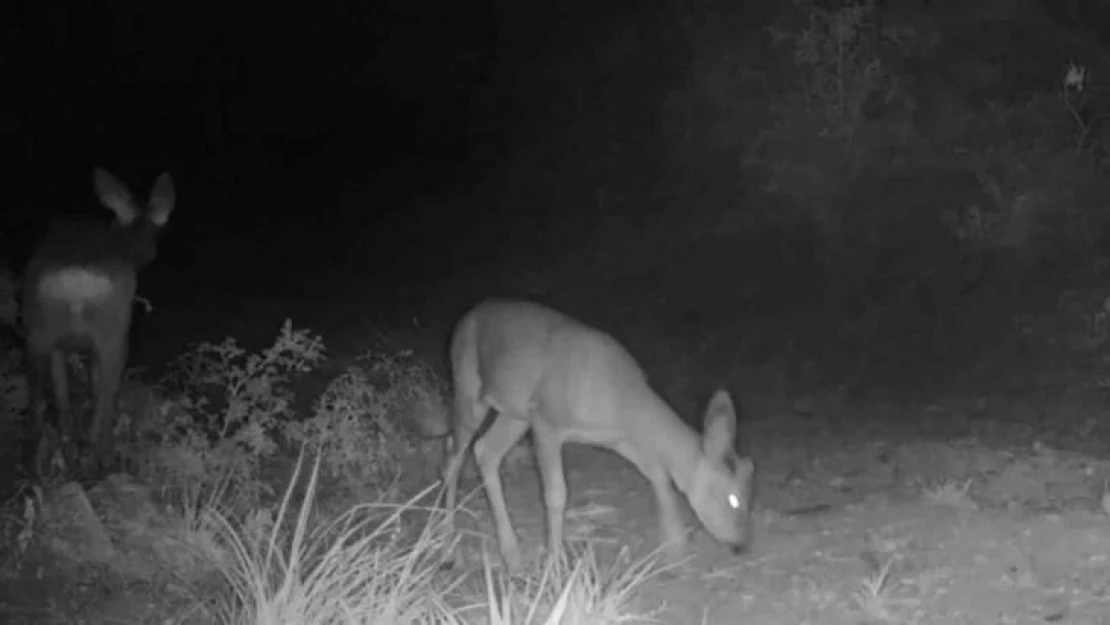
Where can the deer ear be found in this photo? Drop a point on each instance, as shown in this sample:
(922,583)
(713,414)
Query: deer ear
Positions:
(720,426)
(162,199)
(114,195)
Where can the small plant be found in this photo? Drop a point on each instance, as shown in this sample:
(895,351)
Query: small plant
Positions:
(362,421)
(18,525)
(952,494)
(209,439)
(358,444)
(873,598)
(291,567)
(1097,324)
(412,392)
(578,592)
(1077,103)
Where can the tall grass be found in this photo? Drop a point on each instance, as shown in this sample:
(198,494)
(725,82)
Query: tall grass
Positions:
(361,567)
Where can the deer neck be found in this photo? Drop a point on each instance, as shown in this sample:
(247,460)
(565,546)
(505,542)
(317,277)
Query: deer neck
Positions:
(676,444)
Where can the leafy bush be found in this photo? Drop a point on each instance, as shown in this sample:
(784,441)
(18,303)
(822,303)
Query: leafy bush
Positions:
(209,439)
(362,423)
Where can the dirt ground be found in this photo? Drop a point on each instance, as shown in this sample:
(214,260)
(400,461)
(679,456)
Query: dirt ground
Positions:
(868,531)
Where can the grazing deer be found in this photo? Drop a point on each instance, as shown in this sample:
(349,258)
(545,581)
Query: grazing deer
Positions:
(543,371)
(78,290)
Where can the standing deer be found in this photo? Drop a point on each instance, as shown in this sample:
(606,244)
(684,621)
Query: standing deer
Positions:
(78,290)
(543,371)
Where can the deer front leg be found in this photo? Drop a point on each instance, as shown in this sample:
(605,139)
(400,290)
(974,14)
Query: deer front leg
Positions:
(549,456)
(672,529)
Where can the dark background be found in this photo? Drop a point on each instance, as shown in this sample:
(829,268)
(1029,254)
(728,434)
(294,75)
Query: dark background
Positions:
(679,173)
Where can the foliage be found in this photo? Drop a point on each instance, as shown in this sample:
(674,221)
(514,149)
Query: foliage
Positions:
(361,423)
(210,438)
(294,567)
(903,193)
(291,567)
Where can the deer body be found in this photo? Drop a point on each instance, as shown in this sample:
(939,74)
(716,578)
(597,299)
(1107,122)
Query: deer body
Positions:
(543,371)
(78,290)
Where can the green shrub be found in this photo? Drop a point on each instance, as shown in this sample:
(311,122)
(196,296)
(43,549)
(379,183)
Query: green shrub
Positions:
(208,440)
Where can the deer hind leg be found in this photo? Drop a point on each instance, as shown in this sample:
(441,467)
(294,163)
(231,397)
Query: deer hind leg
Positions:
(107,374)
(39,363)
(469,414)
(59,382)
(69,437)
(489,450)
(464,429)
(549,456)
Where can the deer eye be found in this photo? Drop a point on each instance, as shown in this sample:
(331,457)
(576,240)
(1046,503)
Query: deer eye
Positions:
(734,501)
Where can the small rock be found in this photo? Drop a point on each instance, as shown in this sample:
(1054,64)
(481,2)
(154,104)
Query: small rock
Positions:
(74,530)
(120,498)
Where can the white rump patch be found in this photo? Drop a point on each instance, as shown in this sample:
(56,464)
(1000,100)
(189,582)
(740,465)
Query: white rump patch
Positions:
(76,285)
